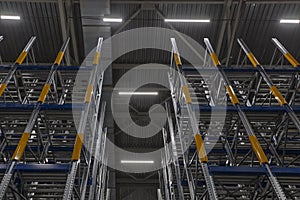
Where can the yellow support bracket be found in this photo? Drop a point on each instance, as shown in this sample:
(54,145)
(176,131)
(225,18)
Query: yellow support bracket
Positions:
(2,88)
(260,154)
(21,57)
(278,96)
(200,148)
(232,95)
(44,93)
(292,60)
(59,58)
(88,94)
(253,60)
(215,59)
(77,147)
(186,93)
(177,59)
(21,146)
(96,58)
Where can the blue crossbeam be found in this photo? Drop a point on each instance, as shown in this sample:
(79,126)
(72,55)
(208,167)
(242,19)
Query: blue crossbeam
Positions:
(185,68)
(45,168)
(14,106)
(45,67)
(204,108)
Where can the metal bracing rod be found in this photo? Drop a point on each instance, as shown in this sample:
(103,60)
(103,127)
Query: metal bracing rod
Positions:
(174,154)
(18,153)
(19,61)
(203,159)
(285,53)
(82,123)
(95,129)
(182,146)
(167,164)
(97,155)
(165,178)
(191,184)
(256,147)
(276,93)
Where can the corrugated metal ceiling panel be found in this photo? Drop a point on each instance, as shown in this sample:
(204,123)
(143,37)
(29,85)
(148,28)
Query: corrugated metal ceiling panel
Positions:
(39,19)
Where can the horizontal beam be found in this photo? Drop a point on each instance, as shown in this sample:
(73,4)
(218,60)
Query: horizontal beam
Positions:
(185,68)
(14,106)
(204,108)
(45,168)
(230,108)
(287,69)
(46,67)
(253,171)
(244,151)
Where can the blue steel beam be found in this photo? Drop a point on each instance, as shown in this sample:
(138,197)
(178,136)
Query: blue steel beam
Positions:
(185,68)
(14,106)
(46,68)
(45,168)
(69,106)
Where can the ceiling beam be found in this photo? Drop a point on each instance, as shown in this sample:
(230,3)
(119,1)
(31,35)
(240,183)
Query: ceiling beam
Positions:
(226,15)
(231,41)
(62,17)
(128,21)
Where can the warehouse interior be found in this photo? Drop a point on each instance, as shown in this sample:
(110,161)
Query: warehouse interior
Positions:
(149,99)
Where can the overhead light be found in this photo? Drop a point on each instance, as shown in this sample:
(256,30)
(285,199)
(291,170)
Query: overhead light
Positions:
(188,20)
(138,93)
(137,161)
(13,17)
(112,19)
(290,21)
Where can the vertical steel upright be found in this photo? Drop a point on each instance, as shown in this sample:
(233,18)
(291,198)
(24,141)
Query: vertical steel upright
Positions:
(203,159)
(18,153)
(82,124)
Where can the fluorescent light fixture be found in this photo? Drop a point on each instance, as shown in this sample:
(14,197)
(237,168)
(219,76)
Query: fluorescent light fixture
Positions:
(13,17)
(138,93)
(137,161)
(188,20)
(112,19)
(290,21)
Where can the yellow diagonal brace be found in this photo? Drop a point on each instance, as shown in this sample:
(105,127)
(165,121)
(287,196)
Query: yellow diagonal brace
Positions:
(21,146)
(59,58)
(96,58)
(177,59)
(44,93)
(215,59)
(200,148)
(278,96)
(292,60)
(88,94)
(260,154)
(2,88)
(232,95)
(77,147)
(186,93)
(21,57)
(253,60)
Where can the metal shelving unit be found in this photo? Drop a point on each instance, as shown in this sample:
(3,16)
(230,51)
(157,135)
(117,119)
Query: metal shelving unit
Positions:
(38,99)
(256,153)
